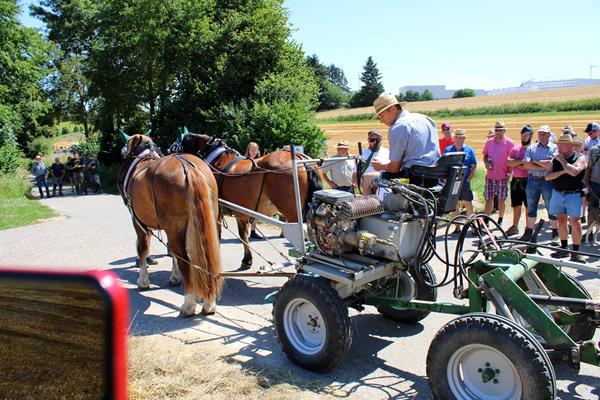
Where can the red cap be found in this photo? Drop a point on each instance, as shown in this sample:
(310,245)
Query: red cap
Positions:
(446,125)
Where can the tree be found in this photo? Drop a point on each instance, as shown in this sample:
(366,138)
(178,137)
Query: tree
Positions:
(333,85)
(371,88)
(412,95)
(426,95)
(24,59)
(337,77)
(463,93)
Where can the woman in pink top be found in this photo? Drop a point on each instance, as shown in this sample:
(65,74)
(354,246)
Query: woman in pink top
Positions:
(495,158)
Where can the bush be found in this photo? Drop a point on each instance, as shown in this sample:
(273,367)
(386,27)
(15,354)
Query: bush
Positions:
(10,158)
(108,178)
(90,144)
(39,146)
(463,93)
(75,128)
(15,184)
(65,130)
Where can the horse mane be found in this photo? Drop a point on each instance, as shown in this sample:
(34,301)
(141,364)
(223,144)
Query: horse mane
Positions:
(190,142)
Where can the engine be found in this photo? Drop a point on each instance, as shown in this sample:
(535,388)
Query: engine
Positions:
(340,223)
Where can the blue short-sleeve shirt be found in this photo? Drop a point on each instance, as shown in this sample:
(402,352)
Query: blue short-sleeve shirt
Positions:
(469,160)
(413,140)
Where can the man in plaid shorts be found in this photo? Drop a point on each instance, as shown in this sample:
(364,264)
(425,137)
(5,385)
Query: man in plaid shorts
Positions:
(495,157)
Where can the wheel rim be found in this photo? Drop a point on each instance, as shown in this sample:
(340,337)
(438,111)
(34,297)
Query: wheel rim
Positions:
(304,326)
(477,371)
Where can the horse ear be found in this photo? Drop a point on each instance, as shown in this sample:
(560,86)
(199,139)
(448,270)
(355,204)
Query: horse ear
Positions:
(148,132)
(179,135)
(185,130)
(124,136)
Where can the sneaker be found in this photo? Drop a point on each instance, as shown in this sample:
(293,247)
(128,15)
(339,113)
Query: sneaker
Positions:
(513,230)
(560,254)
(576,258)
(256,236)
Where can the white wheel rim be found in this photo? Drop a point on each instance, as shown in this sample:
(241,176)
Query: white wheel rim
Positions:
(477,371)
(304,326)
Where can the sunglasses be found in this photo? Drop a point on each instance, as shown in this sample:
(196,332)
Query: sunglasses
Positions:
(373,140)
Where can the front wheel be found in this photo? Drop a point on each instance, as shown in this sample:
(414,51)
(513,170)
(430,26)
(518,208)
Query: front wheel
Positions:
(312,323)
(485,356)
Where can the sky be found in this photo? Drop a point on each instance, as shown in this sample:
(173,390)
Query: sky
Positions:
(482,44)
(479,44)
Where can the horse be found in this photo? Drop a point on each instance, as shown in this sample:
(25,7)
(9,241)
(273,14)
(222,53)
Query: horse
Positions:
(264,184)
(177,194)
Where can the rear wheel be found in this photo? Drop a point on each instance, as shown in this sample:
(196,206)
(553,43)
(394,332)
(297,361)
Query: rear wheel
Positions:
(485,356)
(312,323)
(409,285)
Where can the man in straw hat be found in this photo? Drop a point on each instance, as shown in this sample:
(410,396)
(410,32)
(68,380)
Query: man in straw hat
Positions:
(538,158)
(495,158)
(338,173)
(39,171)
(518,183)
(470,162)
(566,175)
(412,137)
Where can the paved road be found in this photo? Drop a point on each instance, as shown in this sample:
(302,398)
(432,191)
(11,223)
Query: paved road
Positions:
(386,360)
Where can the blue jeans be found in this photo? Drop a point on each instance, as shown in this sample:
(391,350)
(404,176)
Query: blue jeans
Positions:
(536,188)
(41,182)
(570,204)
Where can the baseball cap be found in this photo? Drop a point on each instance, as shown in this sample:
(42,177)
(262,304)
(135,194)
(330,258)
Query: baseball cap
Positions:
(343,144)
(446,125)
(592,126)
(528,129)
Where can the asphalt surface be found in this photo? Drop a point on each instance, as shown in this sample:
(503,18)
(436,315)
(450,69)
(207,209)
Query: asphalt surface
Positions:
(386,359)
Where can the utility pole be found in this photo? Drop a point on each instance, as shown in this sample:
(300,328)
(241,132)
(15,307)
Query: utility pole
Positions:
(591,68)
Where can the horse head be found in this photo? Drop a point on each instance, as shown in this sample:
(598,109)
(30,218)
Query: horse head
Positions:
(202,145)
(136,144)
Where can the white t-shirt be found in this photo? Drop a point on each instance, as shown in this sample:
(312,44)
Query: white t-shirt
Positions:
(383,155)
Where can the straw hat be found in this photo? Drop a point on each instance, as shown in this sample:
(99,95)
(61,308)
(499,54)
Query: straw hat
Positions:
(38,157)
(458,132)
(343,144)
(491,133)
(566,139)
(500,125)
(385,101)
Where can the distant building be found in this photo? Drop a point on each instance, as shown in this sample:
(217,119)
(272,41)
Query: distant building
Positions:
(532,86)
(438,91)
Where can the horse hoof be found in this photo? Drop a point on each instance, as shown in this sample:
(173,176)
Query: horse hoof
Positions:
(143,284)
(186,314)
(209,310)
(174,282)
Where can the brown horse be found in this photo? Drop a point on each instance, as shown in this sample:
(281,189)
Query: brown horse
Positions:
(177,194)
(264,185)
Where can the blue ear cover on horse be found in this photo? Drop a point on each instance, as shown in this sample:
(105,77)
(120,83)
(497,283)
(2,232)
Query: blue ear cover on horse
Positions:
(124,136)
(148,132)
(179,135)
(185,130)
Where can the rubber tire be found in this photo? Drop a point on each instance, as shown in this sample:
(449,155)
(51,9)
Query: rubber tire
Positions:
(516,343)
(335,316)
(423,292)
(581,331)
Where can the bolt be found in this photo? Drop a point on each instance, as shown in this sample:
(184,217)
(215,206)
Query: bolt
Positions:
(495,380)
(480,370)
(487,364)
(497,371)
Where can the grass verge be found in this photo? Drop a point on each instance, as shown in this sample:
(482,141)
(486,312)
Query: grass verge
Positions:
(16,208)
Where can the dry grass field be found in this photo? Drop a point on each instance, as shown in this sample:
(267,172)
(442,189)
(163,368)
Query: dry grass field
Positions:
(546,96)
(477,128)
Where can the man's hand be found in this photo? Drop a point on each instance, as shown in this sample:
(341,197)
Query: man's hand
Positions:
(561,158)
(378,165)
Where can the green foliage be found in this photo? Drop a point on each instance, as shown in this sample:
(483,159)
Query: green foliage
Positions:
(412,95)
(463,93)
(16,209)
(23,58)
(90,145)
(39,146)
(10,158)
(371,88)
(64,131)
(426,95)
(333,85)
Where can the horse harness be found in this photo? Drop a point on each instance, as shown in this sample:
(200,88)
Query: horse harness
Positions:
(211,153)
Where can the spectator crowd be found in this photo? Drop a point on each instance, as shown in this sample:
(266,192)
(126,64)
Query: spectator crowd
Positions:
(81,172)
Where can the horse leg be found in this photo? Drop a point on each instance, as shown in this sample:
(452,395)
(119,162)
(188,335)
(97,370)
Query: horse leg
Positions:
(177,249)
(243,232)
(143,249)
(209,306)
(175,278)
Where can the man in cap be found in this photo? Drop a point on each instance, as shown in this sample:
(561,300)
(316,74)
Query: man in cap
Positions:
(518,194)
(470,162)
(538,158)
(495,157)
(593,139)
(39,171)
(375,151)
(338,173)
(446,139)
(412,138)
(566,174)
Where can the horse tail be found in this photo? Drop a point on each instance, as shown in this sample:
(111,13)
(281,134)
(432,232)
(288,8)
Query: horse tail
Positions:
(315,182)
(201,239)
